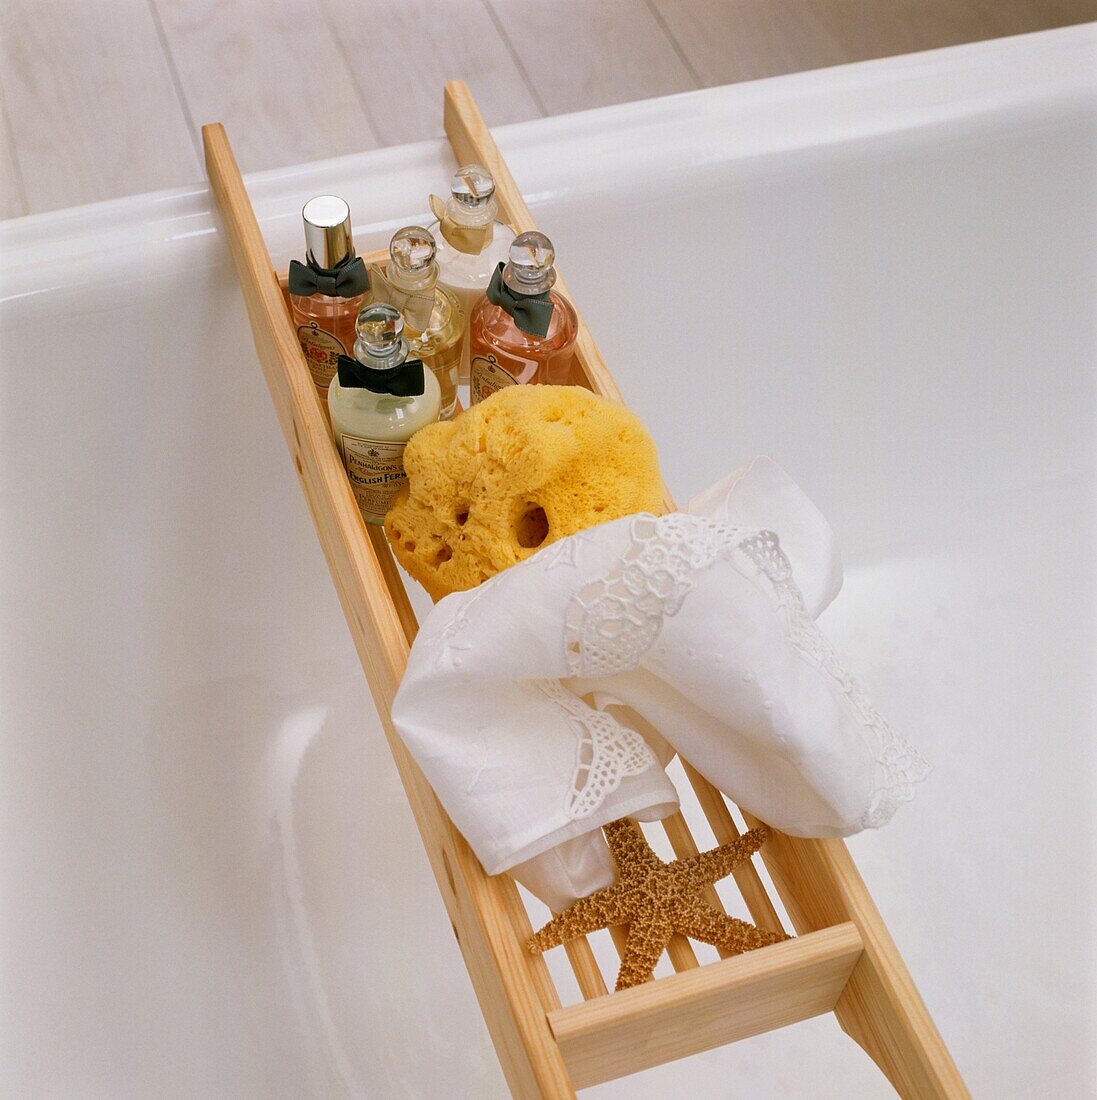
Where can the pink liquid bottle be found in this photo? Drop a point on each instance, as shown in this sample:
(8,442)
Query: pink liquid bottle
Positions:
(327,291)
(523,331)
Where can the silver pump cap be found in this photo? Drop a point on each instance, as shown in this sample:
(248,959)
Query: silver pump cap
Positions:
(412,250)
(380,344)
(529,267)
(472,186)
(328,238)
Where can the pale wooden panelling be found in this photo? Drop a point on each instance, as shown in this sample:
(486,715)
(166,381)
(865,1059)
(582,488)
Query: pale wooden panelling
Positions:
(400,54)
(93,110)
(728,42)
(104,96)
(866,29)
(581,55)
(273,73)
(731,40)
(12,200)
(863,29)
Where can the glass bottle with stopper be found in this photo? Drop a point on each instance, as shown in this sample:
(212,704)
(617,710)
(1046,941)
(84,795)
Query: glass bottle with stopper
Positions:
(523,331)
(377,401)
(434,322)
(472,241)
(328,289)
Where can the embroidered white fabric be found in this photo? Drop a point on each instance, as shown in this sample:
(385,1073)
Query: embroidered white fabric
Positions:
(537,704)
(606,752)
(613,621)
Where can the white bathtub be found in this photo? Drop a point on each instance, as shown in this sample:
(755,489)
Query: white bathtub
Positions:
(881,275)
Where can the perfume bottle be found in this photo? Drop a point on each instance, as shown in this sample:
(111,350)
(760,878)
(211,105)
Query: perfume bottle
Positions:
(472,242)
(377,401)
(522,331)
(434,322)
(327,291)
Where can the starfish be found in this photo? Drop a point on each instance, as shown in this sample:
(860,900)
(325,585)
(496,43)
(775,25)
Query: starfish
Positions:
(657,899)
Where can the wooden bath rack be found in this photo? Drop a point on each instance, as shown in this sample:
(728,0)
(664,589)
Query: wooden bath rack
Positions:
(842,958)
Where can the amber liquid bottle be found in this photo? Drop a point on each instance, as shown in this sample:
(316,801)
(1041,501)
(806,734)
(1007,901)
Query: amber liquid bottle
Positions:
(523,331)
(434,322)
(327,291)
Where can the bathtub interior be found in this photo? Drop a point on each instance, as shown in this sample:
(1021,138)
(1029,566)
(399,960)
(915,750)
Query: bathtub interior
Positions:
(212,884)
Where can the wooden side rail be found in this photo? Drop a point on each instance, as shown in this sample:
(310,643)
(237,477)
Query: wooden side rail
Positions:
(817,880)
(514,988)
(880,1008)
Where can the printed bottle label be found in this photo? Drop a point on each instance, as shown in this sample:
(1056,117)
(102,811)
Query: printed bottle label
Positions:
(376,472)
(486,375)
(322,351)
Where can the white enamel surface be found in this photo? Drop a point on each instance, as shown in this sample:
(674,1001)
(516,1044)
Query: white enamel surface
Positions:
(211,884)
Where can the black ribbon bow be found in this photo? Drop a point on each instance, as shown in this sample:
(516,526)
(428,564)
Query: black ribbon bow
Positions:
(347,279)
(531,312)
(403,380)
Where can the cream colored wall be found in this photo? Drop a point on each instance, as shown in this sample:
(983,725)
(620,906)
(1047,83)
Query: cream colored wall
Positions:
(104,98)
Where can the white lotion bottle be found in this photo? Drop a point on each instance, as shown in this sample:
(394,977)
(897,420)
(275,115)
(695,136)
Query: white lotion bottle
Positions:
(377,401)
(472,242)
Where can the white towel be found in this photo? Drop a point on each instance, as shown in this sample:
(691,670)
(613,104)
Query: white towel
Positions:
(532,702)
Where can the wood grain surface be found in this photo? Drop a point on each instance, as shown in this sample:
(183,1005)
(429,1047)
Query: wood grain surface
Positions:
(103,98)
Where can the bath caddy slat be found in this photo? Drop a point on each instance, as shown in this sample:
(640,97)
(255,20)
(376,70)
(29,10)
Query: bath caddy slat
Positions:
(842,958)
(706,1007)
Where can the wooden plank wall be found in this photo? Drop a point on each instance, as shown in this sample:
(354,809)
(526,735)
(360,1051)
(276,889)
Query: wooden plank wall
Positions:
(102,98)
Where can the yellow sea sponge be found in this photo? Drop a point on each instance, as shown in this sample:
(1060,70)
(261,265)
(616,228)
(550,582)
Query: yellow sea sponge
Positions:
(524,468)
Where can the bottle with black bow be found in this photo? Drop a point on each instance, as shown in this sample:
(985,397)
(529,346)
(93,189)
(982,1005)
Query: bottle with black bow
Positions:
(328,289)
(523,331)
(377,401)
(434,321)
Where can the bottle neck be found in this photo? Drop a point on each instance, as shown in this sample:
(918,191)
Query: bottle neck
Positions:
(316,265)
(468,229)
(472,217)
(414,282)
(527,284)
(379,361)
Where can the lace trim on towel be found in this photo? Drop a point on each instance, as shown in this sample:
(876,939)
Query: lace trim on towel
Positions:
(612,622)
(606,753)
(899,765)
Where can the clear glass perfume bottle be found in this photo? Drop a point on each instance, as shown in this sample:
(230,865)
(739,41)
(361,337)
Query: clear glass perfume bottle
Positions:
(377,401)
(472,242)
(434,322)
(327,291)
(523,331)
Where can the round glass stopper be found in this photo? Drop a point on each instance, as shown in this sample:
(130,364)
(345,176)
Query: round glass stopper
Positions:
(412,249)
(529,267)
(379,326)
(472,185)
